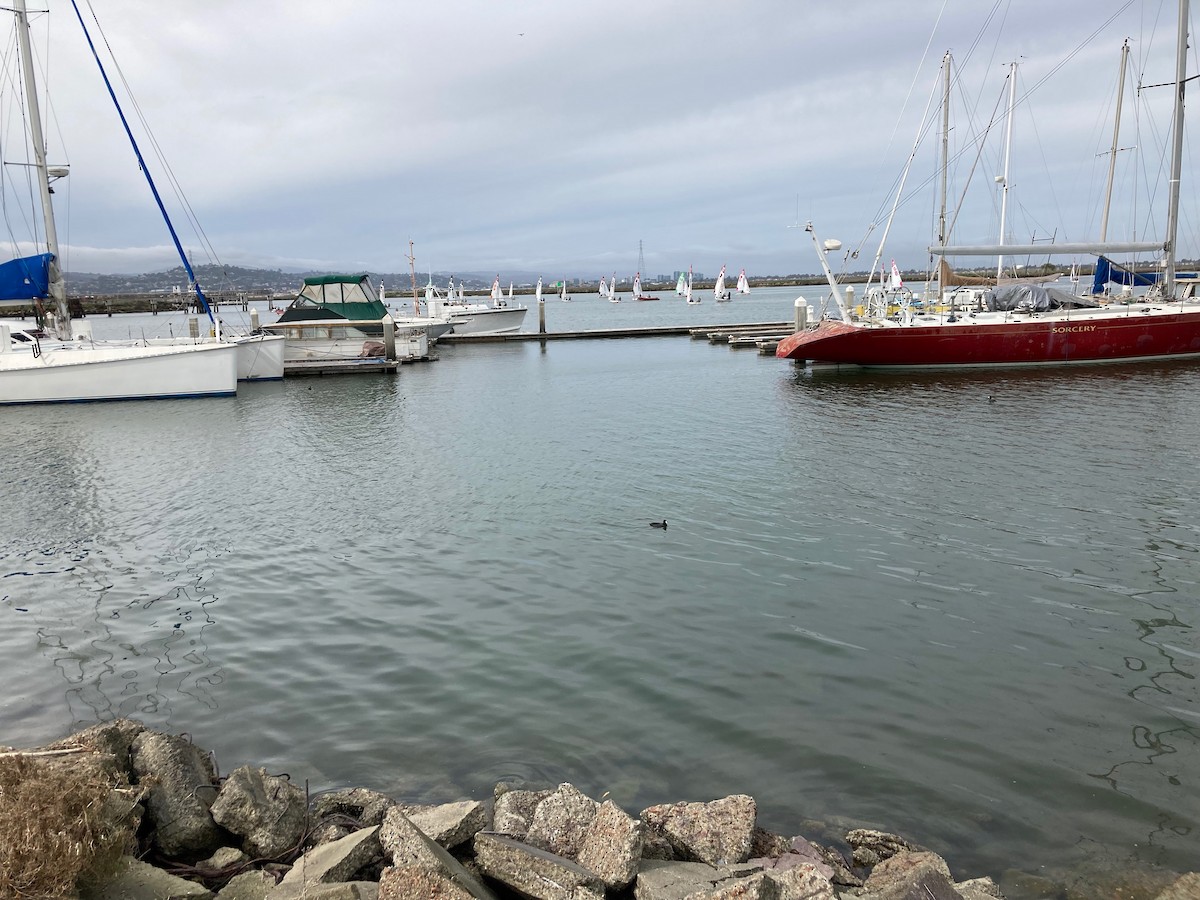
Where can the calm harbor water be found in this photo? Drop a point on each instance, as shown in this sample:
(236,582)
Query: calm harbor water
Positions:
(958,606)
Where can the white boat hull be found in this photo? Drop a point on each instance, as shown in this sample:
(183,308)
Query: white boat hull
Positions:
(491,320)
(260,357)
(79,374)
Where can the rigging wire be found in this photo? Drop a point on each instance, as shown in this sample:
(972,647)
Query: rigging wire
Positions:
(176,187)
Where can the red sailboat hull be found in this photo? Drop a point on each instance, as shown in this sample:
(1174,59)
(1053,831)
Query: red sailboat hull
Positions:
(1107,338)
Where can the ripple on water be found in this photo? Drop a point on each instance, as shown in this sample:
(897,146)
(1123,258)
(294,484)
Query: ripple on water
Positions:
(883,599)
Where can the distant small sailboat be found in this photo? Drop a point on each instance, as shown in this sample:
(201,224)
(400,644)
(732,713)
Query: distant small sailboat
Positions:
(637,289)
(603,291)
(692,300)
(538,292)
(496,295)
(510,296)
(719,291)
(563,292)
(743,286)
(680,286)
(613,296)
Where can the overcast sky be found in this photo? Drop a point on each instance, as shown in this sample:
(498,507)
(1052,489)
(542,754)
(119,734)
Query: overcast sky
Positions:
(550,136)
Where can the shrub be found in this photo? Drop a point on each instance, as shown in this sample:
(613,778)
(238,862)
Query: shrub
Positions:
(55,832)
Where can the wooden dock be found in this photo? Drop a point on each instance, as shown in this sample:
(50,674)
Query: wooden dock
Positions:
(599,334)
(368,366)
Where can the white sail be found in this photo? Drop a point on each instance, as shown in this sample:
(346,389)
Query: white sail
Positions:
(719,287)
(539,289)
(743,286)
(637,285)
(688,288)
(496,291)
(461,294)
(603,291)
(510,290)
(563,294)
(896,283)
(680,285)
(612,290)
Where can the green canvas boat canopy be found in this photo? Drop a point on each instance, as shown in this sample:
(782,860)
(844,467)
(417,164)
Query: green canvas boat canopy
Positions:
(348,297)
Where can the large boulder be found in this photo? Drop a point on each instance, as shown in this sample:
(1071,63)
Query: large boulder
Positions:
(450,824)
(409,848)
(910,875)
(416,883)
(612,846)
(674,880)
(335,862)
(268,812)
(1186,887)
(136,880)
(514,810)
(181,781)
(871,847)
(534,872)
(560,821)
(717,833)
(365,807)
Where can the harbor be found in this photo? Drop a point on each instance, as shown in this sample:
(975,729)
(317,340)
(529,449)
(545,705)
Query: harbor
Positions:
(639,569)
(848,617)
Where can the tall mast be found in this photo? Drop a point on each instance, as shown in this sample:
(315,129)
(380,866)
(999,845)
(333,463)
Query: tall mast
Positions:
(1012,102)
(412,268)
(1176,150)
(58,289)
(1112,158)
(945,162)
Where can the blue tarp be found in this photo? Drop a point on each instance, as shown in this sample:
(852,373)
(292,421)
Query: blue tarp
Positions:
(1108,271)
(27,278)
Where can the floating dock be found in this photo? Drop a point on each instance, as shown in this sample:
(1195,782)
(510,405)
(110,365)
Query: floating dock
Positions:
(754,328)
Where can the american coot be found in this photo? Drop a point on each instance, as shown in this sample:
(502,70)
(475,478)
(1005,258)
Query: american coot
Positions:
(662,524)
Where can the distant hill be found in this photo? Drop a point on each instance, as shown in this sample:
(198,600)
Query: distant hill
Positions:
(238,279)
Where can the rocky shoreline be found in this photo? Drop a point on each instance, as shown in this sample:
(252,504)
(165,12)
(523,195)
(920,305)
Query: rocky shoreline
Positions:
(146,815)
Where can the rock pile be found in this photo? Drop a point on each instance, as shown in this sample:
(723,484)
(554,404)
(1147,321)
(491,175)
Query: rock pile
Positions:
(256,836)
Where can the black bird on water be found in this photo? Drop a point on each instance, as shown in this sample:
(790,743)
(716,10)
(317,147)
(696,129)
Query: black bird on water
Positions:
(662,524)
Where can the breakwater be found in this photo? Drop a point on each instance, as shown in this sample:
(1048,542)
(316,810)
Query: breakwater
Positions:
(164,823)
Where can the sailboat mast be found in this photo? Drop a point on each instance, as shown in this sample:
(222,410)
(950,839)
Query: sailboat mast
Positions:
(412,269)
(1112,157)
(945,163)
(58,289)
(1176,150)
(945,149)
(1012,103)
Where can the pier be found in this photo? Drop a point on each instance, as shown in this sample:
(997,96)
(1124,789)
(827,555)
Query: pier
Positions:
(726,332)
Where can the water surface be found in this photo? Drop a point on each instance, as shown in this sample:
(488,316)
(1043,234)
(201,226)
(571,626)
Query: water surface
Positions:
(957,606)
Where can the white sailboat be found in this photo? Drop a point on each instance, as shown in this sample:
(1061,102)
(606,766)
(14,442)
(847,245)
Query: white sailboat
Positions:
(680,286)
(691,299)
(538,291)
(613,296)
(563,292)
(72,367)
(603,289)
(720,293)
(743,286)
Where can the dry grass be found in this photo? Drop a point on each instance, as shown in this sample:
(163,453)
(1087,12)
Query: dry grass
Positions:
(55,832)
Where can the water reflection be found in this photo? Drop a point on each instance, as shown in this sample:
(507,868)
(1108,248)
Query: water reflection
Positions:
(123,655)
